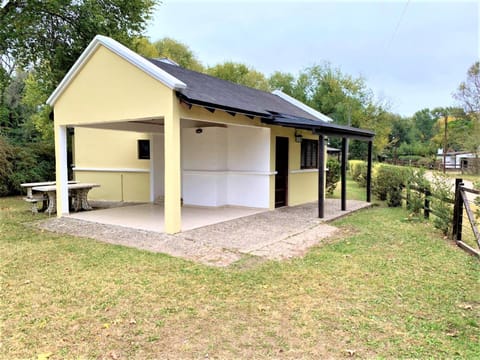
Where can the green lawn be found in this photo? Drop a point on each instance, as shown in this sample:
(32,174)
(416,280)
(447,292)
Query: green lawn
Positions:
(354,191)
(384,288)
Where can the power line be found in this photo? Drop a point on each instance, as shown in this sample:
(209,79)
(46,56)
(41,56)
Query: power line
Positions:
(398,24)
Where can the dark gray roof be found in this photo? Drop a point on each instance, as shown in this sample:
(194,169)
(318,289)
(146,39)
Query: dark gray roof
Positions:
(208,90)
(212,92)
(320,127)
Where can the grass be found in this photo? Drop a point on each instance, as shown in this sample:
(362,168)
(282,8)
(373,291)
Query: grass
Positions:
(457,174)
(384,288)
(354,191)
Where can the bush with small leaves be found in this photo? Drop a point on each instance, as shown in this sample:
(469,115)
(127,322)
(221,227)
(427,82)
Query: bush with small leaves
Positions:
(333,175)
(388,181)
(416,184)
(6,165)
(441,203)
(358,171)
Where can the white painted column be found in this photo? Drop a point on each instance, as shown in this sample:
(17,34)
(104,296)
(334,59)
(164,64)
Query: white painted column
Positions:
(152,168)
(172,207)
(61,165)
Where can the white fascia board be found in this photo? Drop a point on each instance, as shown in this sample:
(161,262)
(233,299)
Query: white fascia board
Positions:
(125,53)
(302,106)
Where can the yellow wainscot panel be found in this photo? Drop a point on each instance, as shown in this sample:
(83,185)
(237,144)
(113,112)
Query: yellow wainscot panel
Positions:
(136,187)
(110,184)
(303,188)
(117,186)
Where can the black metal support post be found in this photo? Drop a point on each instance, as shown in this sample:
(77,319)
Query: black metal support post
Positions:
(426,205)
(344,173)
(321,176)
(457,212)
(369,171)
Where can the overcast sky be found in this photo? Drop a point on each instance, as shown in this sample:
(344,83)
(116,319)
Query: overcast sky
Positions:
(413,53)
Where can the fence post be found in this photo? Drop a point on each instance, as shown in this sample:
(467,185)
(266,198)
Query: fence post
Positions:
(426,205)
(457,212)
(407,200)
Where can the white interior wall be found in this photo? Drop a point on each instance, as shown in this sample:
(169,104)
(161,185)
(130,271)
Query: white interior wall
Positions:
(249,165)
(226,166)
(157,157)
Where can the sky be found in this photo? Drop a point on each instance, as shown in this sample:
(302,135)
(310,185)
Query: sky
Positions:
(412,54)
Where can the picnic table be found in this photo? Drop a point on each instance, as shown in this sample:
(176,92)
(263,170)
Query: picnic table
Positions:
(78,193)
(33,200)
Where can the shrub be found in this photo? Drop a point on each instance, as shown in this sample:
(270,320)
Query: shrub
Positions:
(441,206)
(358,171)
(29,162)
(6,165)
(415,185)
(333,175)
(388,181)
(413,158)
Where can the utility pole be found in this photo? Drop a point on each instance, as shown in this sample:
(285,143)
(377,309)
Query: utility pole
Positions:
(445,145)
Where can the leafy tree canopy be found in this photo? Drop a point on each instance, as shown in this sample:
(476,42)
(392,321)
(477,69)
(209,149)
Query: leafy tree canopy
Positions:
(468,93)
(46,38)
(50,35)
(178,52)
(240,74)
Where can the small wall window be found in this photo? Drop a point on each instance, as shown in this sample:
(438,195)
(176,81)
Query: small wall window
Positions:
(144,149)
(309,154)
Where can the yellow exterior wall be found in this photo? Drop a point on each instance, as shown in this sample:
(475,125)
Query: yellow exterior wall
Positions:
(302,185)
(109,158)
(109,88)
(95,148)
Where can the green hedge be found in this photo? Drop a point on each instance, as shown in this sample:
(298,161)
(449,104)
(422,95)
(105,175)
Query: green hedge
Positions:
(388,181)
(358,171)
(29,162)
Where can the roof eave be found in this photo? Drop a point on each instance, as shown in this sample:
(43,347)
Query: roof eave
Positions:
(322,128)
(302,106)
(125,53)
(206,104)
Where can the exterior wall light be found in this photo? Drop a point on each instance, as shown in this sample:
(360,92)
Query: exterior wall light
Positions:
(298,137)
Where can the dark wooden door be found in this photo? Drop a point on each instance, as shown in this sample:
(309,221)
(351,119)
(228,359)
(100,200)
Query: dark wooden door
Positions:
(281,167)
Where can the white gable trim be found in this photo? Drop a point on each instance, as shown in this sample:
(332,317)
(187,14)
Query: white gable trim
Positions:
(302,106)
(125,53)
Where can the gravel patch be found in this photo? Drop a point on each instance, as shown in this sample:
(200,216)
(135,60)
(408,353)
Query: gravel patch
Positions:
(279,234)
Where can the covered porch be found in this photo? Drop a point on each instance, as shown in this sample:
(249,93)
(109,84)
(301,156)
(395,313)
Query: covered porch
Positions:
(150,217)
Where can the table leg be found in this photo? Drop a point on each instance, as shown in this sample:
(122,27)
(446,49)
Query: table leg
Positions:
(83,193)
(52,202)
(75,200)
(45,202)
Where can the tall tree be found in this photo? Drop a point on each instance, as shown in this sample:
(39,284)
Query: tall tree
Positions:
(468,92)
(178,52)
(468,95)
(423,122)
(347,100)
(240,74)
(48,36)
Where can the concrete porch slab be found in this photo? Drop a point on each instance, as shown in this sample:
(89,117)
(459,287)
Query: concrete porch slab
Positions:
(150,217)
(279,234)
